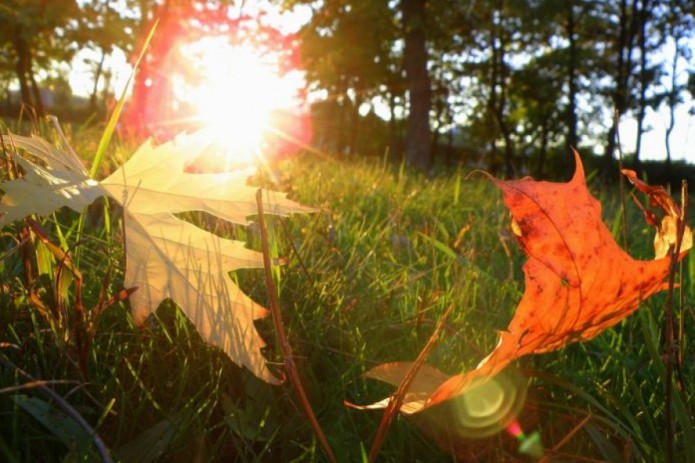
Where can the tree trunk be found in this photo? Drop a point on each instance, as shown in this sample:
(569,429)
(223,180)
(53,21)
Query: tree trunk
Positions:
(450,147)
(417,149)
(353,147)
(572,140)
(644,18)
(393,129)
(38,102)
(672,102)
(95,87)
(624,68)
(342,99)
(542,154)
(500,97)
(439,107)
(493,164)
(22,66)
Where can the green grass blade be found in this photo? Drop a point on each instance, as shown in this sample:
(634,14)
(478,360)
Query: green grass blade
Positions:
(607,449)
(108,134)
(111,126)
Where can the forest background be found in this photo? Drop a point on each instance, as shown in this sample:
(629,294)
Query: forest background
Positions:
(507,86)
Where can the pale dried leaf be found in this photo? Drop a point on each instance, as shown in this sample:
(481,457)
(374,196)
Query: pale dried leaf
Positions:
(167,257)
(59,180)
(170,258)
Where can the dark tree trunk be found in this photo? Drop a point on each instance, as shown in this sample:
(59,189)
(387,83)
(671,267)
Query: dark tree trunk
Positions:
(439,107)
(672,102)
(22,66)
(498,94)
(342,100)
(509,165)
(492,105)
(624,68)
(434,143)
(97,77)
(618,95)
(353,145)
(38,102)
(644,18)
(393,128)
(542,154)
(572,140)
(417,148)
(450,147)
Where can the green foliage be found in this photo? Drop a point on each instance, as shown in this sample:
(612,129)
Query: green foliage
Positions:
(372,272)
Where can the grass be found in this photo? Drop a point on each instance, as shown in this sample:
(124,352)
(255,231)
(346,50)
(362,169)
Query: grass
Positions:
(374,270)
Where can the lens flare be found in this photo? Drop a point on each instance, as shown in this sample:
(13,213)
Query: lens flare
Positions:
(514,429)
(490,405)
(528,445)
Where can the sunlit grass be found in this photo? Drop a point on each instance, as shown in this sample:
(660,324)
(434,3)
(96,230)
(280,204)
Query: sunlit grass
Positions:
(374,269)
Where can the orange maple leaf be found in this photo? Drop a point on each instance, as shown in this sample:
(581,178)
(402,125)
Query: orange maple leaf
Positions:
(578,281)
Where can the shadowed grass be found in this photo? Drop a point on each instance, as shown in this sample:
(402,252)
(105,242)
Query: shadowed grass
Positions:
(372,273)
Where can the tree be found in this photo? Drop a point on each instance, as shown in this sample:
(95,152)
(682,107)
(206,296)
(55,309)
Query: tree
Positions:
(646,76)
(417,151)
(347,52)
(38,33)
(624,70)
(679,26)
(104,28)
(515,81)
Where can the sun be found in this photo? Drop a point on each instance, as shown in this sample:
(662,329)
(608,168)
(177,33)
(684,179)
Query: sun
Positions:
(235,90)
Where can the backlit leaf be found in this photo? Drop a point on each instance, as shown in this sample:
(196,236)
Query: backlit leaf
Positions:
(578,281)
(166,257)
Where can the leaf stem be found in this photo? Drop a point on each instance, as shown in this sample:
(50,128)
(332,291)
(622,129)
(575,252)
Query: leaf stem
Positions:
(290,366)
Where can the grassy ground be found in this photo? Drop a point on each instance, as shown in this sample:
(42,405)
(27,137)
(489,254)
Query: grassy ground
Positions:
(372,273)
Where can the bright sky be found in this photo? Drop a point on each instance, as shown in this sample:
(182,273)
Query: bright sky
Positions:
(80,76)
(656,122)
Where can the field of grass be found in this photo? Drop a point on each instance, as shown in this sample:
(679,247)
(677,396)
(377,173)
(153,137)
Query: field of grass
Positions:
(365,280)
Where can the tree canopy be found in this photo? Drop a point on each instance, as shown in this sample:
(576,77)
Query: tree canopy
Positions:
(507,84)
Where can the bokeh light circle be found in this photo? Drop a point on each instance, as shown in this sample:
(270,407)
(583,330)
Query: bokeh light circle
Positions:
(489,405)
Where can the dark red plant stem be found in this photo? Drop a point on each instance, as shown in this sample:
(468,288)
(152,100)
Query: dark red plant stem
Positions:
(670,354)
(680,358)
(397,398)
(285,346)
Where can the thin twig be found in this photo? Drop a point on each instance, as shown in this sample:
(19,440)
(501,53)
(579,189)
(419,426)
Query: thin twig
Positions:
(285,346)
(397,398)
(65,406)
(621,181)
(296,252)
(680,358)
(556,449)
(669,356)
